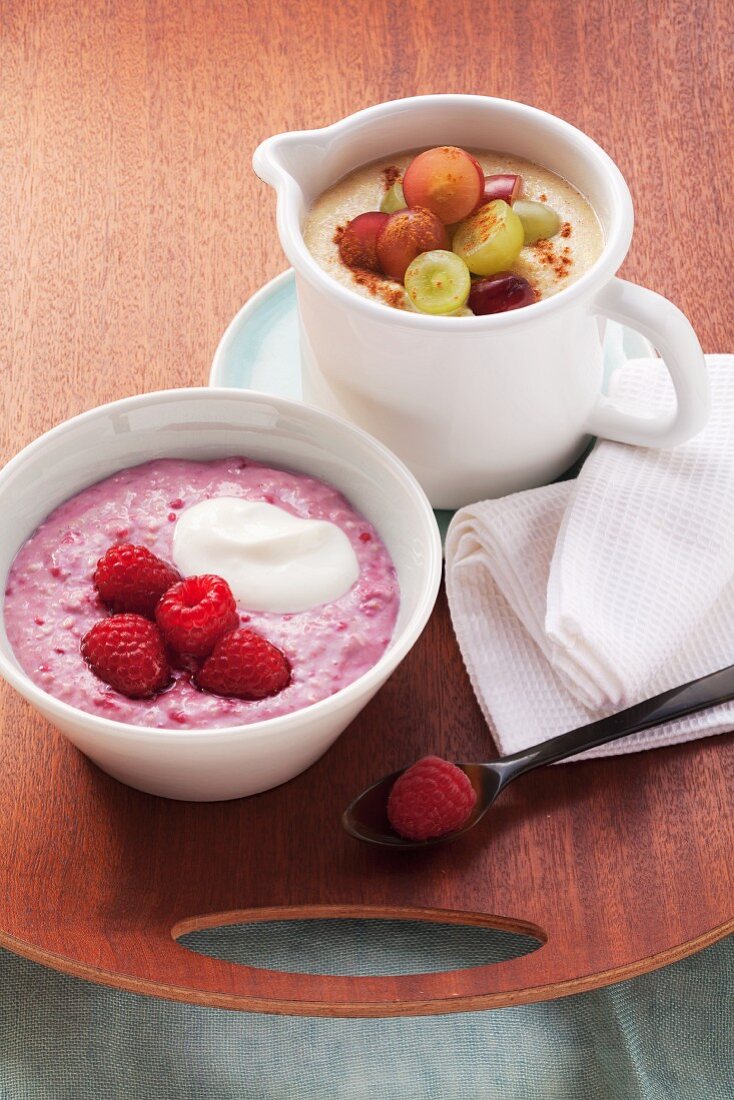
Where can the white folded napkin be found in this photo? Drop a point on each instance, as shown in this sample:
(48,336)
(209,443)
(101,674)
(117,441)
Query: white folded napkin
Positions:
(581,598)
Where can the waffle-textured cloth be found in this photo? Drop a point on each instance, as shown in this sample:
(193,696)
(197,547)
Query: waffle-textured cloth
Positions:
(575,600)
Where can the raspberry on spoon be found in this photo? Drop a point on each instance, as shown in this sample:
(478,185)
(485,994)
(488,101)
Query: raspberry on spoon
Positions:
(132,578)
(195,613)
(246,665)
(430,799)
(127,652)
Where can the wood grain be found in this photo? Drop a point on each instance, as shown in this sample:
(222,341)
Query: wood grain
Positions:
(131,229)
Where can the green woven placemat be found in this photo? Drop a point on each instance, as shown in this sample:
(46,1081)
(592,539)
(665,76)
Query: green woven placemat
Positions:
(663,1036)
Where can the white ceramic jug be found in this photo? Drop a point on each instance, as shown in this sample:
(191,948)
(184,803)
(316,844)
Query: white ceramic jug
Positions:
(477,406)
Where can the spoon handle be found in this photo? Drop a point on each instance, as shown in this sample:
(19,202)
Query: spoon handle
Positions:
(707,691)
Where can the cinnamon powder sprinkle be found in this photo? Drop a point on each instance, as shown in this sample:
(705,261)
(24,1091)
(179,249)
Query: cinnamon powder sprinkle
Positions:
(390,176)
(544,250)
(380,287)
(352,251)
(368,279)
(566,229)
(544,197)
(353,254)
(483,225)
(415,229)
(561,263)
(393,295)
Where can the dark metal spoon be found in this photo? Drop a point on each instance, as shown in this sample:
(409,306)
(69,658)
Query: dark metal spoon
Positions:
(366,817)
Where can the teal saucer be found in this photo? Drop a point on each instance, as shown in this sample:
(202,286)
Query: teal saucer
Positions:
(259,349)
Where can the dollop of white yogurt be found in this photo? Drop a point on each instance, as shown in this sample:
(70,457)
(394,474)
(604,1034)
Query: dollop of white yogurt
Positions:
(272,560)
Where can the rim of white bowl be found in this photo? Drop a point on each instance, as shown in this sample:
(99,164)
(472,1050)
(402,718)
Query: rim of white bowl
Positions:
(397,649)
(289,194)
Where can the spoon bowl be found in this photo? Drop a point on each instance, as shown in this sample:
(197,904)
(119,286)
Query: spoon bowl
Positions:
(366,817)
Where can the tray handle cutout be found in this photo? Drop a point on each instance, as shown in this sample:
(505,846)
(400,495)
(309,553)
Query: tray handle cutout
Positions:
(345,971)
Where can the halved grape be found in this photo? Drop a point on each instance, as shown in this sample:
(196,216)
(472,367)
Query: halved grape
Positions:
(447,181)
(500,293)
(405,234)
(394,199)
(504,186)
(438,282)
(489,241)
(358,240)
(539,220)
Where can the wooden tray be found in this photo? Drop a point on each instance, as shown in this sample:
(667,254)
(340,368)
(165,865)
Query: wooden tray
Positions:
(133,229)
(621,865)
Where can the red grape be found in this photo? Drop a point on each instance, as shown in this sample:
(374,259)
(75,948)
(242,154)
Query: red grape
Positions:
(358,240)
(447,181)
(500,293)
(404,235)
(505,187)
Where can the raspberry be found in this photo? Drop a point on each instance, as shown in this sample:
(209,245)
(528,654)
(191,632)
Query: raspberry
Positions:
(127,652)
(195,613)
(246,665)
(131,578)
(432,798)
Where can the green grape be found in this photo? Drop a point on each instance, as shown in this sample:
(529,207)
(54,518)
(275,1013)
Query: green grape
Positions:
(438,282)
(539,221)
(490,240)
(394,199)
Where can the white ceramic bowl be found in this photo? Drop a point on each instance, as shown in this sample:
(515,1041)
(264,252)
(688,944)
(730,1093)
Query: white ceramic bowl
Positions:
(214,764)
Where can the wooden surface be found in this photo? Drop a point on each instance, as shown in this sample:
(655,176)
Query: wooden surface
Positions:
(132,228)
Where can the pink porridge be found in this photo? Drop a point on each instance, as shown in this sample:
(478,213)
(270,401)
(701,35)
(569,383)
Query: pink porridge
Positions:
(51,602)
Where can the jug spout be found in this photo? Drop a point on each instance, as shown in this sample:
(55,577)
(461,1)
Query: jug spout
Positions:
(267,160)
(295,156)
